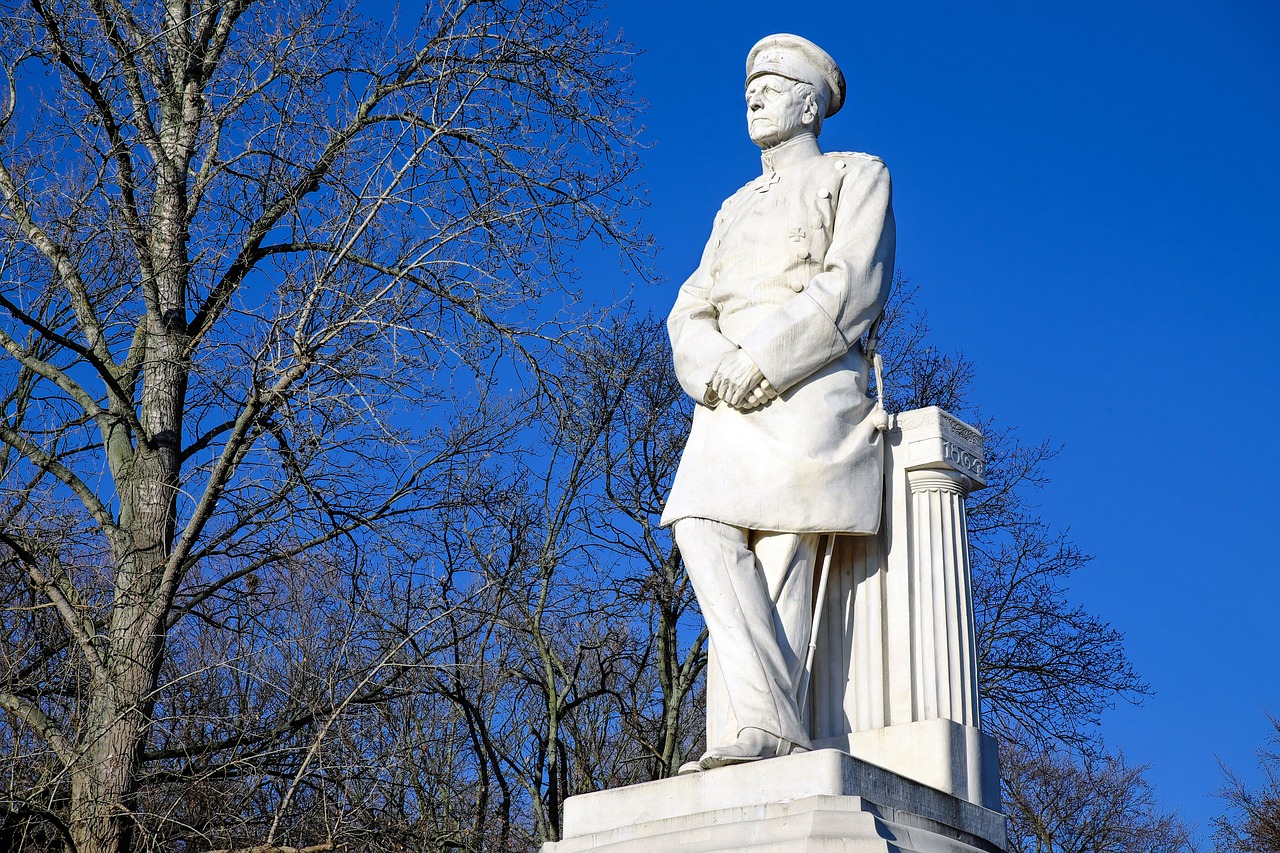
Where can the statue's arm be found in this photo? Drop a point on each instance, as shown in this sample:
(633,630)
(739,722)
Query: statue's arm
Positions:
(696,343)
(841,302)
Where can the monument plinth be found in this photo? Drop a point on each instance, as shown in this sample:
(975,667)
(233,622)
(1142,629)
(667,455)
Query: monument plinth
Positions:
(824,800)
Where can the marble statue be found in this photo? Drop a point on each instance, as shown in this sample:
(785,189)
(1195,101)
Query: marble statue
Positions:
(825,538)
(766,336)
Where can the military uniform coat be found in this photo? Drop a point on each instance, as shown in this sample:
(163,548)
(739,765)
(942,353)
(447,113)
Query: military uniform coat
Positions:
(798,266)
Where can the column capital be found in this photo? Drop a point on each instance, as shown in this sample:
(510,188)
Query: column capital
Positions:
(938,480)
(935,439)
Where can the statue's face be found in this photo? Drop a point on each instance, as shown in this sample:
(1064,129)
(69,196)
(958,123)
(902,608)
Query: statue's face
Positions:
(776,112)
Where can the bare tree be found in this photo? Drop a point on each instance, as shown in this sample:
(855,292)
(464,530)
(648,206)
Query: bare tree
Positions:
(1049,667)
(661,714)
(1084,803)
(1251,823)
(260,263)
(557,625)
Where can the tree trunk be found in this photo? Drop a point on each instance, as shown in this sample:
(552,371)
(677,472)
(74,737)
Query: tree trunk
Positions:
(105,782)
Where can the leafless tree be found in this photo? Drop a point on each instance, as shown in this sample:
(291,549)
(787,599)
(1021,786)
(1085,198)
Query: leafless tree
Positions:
(639,458)
(1049,667)
(1251,823)
(562,631)
(1058,802)
(263,264)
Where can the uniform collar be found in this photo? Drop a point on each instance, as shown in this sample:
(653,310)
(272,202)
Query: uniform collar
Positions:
(789,153)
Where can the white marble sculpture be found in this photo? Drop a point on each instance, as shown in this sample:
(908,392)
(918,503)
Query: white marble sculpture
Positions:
(766,336)
(792,475)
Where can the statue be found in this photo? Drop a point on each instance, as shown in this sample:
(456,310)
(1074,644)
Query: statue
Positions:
(766,336)
(790,472)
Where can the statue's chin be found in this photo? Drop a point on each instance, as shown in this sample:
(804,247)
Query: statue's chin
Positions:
(772,137)
(766,138)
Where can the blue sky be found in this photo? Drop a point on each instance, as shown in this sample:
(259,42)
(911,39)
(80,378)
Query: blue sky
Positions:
(1089,196)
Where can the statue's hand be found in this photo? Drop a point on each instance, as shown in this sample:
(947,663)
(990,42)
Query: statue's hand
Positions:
(735,377)
(761,394)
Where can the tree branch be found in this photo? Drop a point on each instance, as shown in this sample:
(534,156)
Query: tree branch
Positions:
(30,713)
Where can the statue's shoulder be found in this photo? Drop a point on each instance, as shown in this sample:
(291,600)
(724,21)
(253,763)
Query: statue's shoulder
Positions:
(854,158)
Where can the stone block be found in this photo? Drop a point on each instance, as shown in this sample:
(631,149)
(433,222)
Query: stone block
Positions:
(824,800)
(959,760)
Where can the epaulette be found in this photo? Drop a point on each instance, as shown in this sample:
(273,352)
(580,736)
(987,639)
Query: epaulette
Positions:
(853,155)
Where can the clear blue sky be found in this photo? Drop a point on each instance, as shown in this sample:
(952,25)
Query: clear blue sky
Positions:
(1089,195)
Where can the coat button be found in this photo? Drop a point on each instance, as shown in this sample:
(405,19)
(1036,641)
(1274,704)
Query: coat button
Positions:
(824,193)
(797,286)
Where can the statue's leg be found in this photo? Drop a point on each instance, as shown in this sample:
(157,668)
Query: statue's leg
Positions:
(735,600)
(721,726)
(788,562)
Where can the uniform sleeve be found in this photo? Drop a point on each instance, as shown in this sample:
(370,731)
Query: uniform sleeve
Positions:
(694,326)
(838,305)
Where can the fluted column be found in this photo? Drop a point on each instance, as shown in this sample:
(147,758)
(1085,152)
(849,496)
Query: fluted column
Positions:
(944,663)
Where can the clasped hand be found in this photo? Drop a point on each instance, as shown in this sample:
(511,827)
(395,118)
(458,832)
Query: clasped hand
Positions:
(740,383)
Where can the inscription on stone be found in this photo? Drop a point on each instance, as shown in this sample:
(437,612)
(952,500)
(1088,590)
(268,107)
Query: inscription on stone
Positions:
(961,457)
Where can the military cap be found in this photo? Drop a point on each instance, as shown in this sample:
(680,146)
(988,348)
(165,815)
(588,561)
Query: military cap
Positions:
(798,59)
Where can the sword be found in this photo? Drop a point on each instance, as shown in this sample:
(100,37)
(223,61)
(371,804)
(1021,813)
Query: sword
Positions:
(814,624)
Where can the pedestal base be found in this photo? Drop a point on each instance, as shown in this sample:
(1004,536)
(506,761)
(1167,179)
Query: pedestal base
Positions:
(824,800)
(955,759)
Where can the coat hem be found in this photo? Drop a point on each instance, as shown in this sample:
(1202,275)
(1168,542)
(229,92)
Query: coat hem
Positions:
(845,530)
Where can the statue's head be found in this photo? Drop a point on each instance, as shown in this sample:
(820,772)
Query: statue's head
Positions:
(792,85)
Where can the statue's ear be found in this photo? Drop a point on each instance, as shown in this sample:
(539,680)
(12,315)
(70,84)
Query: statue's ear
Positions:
(810,115)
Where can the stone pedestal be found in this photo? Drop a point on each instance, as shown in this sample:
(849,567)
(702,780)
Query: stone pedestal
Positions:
(820,801)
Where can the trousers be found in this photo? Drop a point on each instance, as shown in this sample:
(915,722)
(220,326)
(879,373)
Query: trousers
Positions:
(755,591)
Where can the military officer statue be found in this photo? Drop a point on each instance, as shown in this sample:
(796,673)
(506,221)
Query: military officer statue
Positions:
(767,340)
